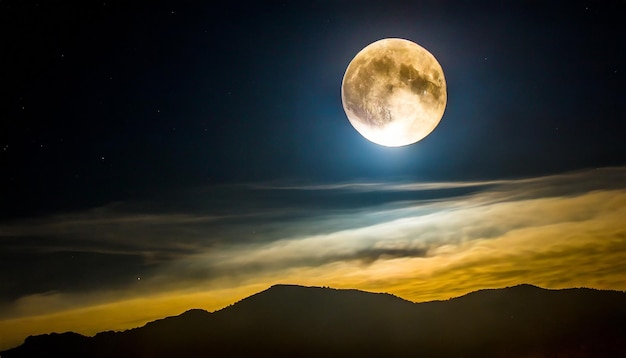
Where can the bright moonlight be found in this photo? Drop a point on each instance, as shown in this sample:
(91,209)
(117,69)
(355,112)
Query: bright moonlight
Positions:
(394,92)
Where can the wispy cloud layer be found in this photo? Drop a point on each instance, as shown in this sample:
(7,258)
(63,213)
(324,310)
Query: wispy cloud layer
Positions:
(421,241)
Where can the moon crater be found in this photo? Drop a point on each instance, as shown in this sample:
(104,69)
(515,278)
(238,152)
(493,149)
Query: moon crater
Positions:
(394,92)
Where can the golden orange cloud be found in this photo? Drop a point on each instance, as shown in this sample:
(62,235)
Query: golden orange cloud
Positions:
(541,231)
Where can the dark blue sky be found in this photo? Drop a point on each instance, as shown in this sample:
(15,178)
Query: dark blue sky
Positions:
(106,101)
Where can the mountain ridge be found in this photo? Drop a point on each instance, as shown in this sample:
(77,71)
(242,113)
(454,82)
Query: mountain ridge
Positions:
(301,321)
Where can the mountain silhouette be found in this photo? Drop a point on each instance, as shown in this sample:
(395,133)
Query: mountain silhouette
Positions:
(296,321)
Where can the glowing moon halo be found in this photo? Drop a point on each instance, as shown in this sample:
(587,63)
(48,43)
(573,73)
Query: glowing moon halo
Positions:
(394,92)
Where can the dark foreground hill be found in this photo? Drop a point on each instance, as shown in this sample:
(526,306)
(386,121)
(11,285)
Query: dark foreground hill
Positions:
(295,321)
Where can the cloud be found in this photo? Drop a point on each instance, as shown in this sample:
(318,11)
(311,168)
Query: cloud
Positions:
(418,240)
(415,231)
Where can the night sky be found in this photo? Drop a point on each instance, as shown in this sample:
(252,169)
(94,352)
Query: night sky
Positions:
(167,155)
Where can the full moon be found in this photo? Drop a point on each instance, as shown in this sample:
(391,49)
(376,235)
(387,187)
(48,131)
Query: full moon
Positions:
(394,92)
